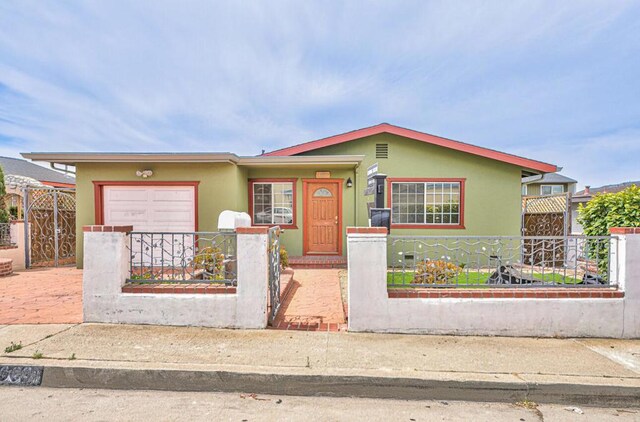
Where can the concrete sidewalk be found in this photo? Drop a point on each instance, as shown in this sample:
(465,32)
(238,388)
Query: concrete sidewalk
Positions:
(597,372)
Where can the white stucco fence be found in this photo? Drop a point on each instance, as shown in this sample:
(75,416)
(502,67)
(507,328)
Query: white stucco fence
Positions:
(370,308)
(106,267)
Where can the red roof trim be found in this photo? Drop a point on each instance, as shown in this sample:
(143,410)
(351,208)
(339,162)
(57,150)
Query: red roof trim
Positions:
(58,184)
(418,136)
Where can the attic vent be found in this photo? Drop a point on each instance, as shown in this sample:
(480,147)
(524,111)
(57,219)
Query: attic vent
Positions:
(382,150)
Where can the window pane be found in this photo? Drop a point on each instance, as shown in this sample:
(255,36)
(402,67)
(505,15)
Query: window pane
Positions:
(322,192)
(273,203)
(407,203)
(441,203)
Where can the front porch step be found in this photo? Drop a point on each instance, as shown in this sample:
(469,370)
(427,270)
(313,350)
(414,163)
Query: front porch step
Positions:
(318,261)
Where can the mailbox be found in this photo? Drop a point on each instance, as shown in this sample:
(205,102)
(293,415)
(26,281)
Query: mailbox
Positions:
(230,220)
(381,217)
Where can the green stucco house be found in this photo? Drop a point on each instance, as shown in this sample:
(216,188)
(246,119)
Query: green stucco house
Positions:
(314,190)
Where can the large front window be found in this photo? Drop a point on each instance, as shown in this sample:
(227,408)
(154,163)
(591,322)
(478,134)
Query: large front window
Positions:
(273,202)
(427,203)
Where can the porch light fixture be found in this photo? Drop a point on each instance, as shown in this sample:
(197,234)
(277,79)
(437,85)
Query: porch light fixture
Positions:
(144,173)
(349,182)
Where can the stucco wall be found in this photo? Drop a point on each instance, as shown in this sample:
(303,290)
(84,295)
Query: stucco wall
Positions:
(492,188)
(371,309)
(222,186)
(291,239)
(107,267)
(16,253)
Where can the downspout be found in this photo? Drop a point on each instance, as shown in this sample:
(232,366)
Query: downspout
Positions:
(355,194)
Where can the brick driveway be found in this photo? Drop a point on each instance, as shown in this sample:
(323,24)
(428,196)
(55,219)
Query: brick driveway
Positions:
(42,296)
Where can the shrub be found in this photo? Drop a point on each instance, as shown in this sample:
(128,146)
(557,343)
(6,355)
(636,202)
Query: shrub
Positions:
(604,211)
(435,272)
(211,259)
(284,258)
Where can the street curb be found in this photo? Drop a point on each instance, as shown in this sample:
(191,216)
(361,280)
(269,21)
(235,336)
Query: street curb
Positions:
(339,386)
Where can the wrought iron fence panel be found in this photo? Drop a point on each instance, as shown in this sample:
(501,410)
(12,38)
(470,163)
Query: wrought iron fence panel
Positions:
(518,261)
(274,272)
(5,234)
(185,257)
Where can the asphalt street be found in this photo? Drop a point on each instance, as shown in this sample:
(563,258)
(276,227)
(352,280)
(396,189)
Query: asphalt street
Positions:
(56,404)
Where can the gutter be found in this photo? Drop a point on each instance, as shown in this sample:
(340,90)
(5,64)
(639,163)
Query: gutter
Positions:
(265,161)
(104,157)
(533,179)
(70,158)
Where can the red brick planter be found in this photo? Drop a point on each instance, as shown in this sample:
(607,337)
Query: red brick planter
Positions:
(548,293)
(6,267)
(178,288)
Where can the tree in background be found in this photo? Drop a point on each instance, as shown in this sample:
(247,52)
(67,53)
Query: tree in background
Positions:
(4,215)
(607,210)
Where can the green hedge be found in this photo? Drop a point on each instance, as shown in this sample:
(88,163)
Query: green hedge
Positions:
(607,210)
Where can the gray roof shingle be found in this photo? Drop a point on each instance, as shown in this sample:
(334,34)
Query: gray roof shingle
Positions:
(18,167)
(549,178)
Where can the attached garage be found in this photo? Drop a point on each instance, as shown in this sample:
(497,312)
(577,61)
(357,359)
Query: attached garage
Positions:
(148,207)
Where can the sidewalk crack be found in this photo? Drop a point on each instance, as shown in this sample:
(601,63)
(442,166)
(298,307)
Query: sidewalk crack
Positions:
(48,336)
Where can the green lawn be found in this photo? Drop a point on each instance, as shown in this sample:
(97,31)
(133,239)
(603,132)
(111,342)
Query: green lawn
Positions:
(474,279)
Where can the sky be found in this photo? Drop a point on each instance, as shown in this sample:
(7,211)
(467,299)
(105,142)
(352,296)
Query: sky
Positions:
(553,81)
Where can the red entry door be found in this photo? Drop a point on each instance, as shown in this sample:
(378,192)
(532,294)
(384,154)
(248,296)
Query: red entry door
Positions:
(322,217)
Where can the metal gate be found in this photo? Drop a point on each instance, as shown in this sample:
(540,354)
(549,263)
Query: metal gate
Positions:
(274,272)
(546,217)
(50,236)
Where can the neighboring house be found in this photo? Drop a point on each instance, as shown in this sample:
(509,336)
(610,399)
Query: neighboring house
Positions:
(547,184)
(19,174)
(584,196)
(435,186)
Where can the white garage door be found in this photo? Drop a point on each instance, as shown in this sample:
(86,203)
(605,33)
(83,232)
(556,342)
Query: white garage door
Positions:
(151,208)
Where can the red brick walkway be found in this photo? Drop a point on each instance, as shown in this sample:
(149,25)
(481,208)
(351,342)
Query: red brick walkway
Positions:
(42,296)
(314,302)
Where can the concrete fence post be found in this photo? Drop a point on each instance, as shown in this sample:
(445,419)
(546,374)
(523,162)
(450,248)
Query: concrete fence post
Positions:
(628,276)
(367,269)
(106,267)
(253,276)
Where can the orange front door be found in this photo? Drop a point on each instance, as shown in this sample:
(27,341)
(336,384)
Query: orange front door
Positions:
(323,219)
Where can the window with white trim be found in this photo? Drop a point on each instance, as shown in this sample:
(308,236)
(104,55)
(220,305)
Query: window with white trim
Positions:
(551,189)
(426,203)
(272,203)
